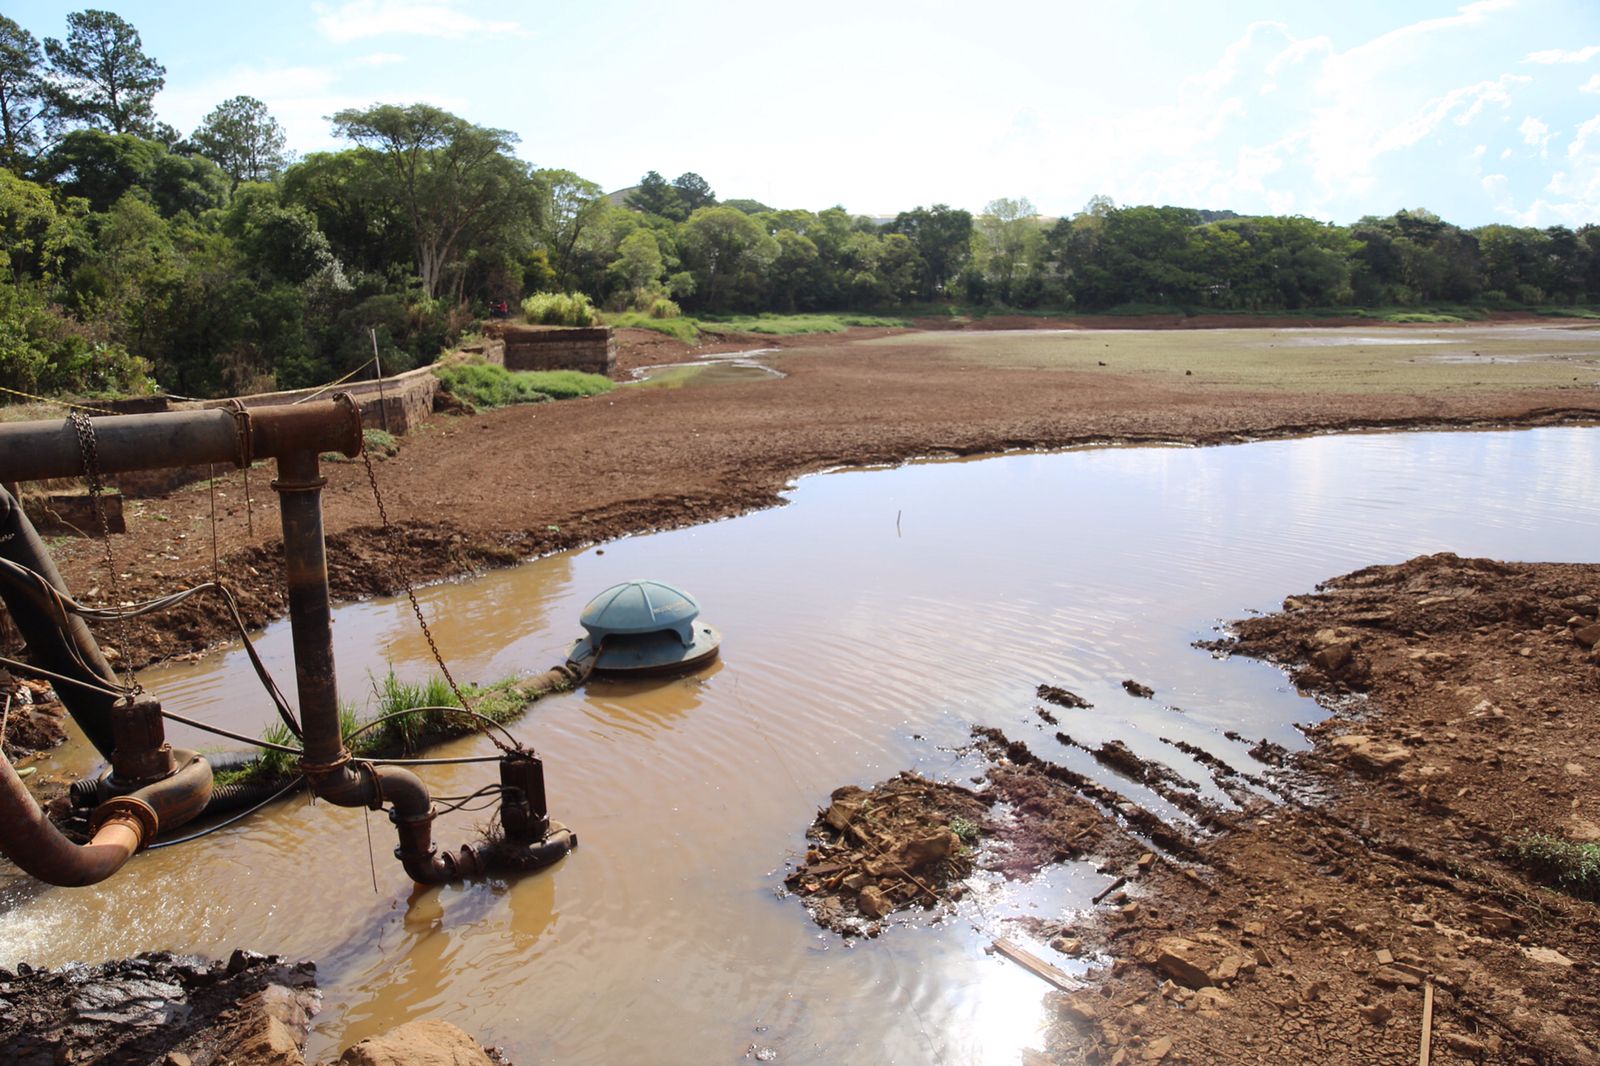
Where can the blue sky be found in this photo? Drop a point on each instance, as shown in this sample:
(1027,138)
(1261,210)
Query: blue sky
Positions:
(1483,112)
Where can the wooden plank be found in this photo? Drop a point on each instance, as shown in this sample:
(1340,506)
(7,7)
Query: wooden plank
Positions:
(1427,1024)
(1035,965)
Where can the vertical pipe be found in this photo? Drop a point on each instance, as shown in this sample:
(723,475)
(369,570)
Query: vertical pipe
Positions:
(48,645)
(299,487)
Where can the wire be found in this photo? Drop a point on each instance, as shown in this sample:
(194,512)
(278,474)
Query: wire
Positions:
(26,667)
(56,403)
(61,605)
(431,710)
(219,731)
(331,384)
(435,762)
(284,791)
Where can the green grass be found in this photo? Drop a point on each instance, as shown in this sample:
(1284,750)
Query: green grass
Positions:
(488,385)
(1569,312)
(1571,867)
(1433,317)
(689,329)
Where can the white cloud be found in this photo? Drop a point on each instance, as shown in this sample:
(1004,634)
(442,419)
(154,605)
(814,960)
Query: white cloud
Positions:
(1573,193)
(443,19)
(1506,153)
(1535,133)
(1557,55)
(1591,86)
(378,59)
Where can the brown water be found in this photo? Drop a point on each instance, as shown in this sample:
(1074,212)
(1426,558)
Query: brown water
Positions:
(867,626)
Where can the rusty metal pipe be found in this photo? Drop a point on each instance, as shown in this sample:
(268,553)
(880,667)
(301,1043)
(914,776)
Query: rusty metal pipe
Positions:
(48,645)
(34,451)
(29,839)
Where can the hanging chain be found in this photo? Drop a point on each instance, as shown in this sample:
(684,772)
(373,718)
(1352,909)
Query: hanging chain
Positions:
(416,608)
(89,452)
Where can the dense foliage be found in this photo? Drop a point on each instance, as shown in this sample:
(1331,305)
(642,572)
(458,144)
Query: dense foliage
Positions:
(132,255)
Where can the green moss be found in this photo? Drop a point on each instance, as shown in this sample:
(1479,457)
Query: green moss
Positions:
(488,385)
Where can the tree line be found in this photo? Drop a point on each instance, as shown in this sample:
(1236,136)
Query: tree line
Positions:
(213,262)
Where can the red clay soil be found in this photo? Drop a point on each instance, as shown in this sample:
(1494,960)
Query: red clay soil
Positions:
(1388,859)
(469,492)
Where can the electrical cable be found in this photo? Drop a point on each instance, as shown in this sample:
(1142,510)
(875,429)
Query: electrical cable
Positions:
(282,792)
(27,667)
(219,731)
(365,726)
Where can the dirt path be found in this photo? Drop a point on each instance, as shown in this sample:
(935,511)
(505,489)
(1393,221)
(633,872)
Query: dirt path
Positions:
(491,489)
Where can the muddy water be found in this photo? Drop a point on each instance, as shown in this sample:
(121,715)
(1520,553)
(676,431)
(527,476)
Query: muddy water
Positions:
(867,625)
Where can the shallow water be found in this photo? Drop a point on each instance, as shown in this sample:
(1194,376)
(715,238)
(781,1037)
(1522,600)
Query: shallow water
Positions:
(721,369)
(867,626)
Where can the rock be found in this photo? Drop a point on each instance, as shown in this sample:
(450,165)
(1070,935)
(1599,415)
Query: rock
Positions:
(1179,959)
(270,1043)
(1068,945)
(1575,769)
(1548,956)
(1385,957)
(1159,1049)
(1363,753)
(1392,978)
(928,849)
(1133,688)
(1583,830)
(1588,636)
(1333,657)
(854,882)
(1375,1013)
(873,903)
(1211,999)
(425,1043)
(1466,1045)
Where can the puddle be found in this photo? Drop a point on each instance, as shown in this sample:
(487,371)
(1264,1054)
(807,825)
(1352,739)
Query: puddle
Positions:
(725,369)
(866,625)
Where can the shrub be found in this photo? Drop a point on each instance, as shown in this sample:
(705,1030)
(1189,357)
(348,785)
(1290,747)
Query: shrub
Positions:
(1571,867)
(559,309)
(662,307)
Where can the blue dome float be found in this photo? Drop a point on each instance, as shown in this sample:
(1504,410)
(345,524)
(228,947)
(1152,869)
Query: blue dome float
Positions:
(644,627)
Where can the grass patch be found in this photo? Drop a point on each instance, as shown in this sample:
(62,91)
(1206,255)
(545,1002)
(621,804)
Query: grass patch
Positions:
(688,329)
(559,309)
(411,731)
(1570,312)
(1571,867)
(1433,317)
(488,385)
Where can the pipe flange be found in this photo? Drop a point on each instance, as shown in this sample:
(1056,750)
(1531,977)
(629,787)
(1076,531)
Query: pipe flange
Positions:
(315,770)
(128,809)
(241,418)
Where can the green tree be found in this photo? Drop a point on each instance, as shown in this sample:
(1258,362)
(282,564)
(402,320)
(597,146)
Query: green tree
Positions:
(1006,245)
(102,76)
(728,253)
(241,136)
(655,196)
(101,167)
(943,238)
(449,177)
(26,118)
(571,205)
(638,265)
(694,192)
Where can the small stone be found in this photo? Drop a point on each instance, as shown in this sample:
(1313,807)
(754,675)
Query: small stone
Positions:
(1549,956)
(1385,957)
(1588,636)
(873,903)
(1463,1044)
(1157,1050)
(1375,1013)
(1176,958)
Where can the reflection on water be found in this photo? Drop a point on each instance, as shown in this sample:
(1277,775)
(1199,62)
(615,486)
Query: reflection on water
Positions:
(867,626)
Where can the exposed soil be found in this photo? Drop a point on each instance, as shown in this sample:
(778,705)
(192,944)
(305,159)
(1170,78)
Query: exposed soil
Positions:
(472,492)
(158,1008)
(1306,925)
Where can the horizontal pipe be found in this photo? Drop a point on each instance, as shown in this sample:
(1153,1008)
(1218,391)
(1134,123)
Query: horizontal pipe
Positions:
(34,451)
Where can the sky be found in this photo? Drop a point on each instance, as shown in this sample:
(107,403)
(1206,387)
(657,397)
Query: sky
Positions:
(1482,112)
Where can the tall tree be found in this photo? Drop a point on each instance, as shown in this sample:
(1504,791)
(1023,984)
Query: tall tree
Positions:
(571,206)
(694,192)
(242,138)
(943,237)
(447,175)
(656,196)
(102,76)
(25,113)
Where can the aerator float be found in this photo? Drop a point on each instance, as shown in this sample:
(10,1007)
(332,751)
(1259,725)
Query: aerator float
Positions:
(153,789)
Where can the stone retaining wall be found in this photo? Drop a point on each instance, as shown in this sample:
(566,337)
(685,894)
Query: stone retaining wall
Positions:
(591,349)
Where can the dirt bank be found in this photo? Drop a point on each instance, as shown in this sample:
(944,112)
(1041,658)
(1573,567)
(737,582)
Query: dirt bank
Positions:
(1307,924)
(475,492)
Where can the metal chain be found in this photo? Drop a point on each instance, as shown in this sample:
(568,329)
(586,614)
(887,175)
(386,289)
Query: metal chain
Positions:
(416,608)
(89,452)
